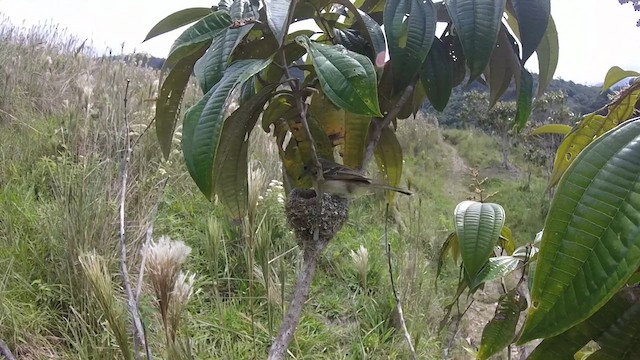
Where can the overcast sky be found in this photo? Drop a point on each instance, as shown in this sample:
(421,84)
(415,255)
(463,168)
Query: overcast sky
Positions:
(594,34)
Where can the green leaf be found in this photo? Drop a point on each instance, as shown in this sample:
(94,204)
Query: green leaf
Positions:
(506,240)
(348,79)
(356,135)
(560,129)
(533,19)
(494,269)
(210,68)
(616,74)
(437,76)
(449,245)
(588,129)
(375,35)
(170,97)
(330,118)
(197,35)
(477,23)
(614,327)
(277,17)
(503,65)
(203,125)
(409,37)
(230,166)
(176,20)
(591,240)
(525,100)
(547,53)
(388,154)
(501,329)
(478,226)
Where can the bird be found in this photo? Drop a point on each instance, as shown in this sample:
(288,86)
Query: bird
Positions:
(343,181)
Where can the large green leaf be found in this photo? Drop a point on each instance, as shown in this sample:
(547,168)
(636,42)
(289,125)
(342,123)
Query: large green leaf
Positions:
(210,67)
(547,52)
(278,17)
(616,74)
(199,34)
(588,129)
(478,226)
(449,245)
(375,35)
(436,76)
(501,329)
(203,128)
(230,166)
(495,268)
(170,97)
(615,327)
(477,23)
(533,19)
(525,100)
(348,79)
(371,30)
(591,240)
(410,26)
(177,20)
(388,154)
(356,135)
(502,66)
(330,118)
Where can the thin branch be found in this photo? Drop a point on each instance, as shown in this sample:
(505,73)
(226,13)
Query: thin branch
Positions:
(403,324)
(303,285)
(138,333)
(378,124)
(4,351)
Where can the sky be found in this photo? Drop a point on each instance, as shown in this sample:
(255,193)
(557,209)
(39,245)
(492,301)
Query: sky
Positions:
(593,34)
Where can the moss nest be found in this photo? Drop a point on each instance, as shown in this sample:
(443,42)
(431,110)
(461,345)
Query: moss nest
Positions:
(303,214)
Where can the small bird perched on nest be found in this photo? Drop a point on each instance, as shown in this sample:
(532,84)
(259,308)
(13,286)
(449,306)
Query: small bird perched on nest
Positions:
(344,181)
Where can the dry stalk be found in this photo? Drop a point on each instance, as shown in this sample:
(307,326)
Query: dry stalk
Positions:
(138,332)
(403,324)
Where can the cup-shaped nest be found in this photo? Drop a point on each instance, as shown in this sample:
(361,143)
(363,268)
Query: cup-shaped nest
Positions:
(304,214)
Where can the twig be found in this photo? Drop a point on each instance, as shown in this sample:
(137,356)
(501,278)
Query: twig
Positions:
(378,124)
(4,351)
(403,324)
(303,285)
(138,334)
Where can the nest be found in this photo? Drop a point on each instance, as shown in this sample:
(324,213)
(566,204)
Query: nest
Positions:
(304,214)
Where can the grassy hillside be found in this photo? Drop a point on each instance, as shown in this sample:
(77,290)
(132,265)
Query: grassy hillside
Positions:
(62,140)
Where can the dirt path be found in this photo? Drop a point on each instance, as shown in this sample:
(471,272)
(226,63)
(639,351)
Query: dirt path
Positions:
(484,305)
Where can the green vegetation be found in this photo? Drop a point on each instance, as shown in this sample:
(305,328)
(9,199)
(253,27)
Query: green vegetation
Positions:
(108,248)
(58,200)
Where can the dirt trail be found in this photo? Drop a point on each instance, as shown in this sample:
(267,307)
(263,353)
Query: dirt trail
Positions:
(485,301)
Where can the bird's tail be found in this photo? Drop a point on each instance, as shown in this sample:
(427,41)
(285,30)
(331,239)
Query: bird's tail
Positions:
(391,188)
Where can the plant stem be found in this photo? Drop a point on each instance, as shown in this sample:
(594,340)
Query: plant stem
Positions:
(378,124)
(138,333)
(303,285)
(403,324)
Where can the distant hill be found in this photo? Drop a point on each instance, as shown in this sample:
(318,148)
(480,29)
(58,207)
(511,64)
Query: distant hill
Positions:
(582,99)
(140,59)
